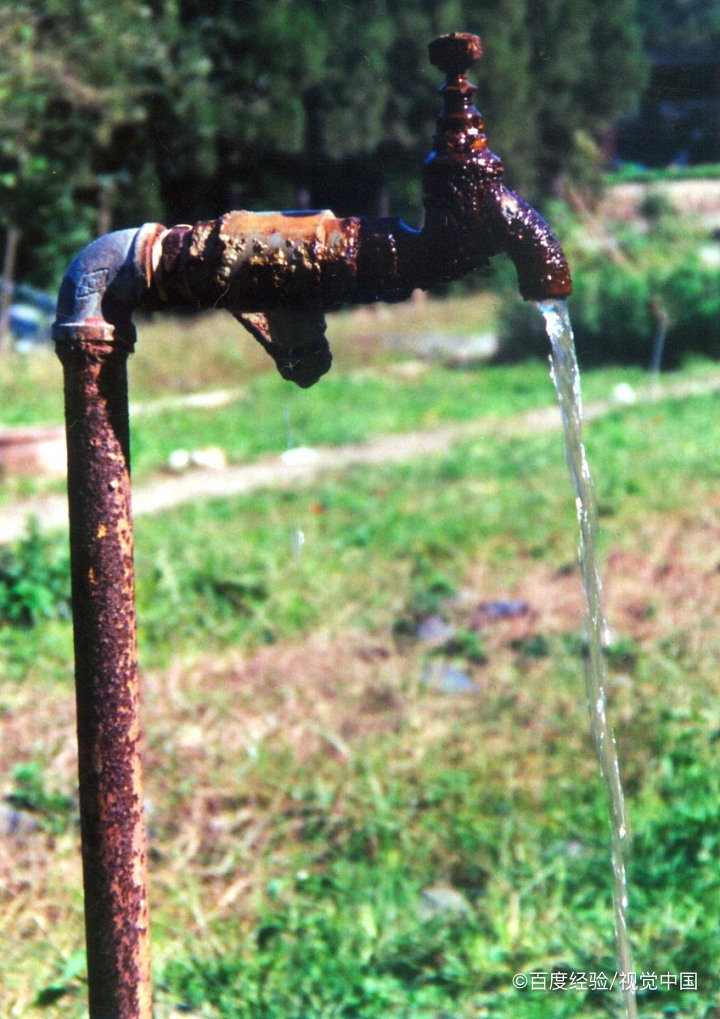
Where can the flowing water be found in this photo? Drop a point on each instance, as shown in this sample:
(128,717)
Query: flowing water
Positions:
(565,375)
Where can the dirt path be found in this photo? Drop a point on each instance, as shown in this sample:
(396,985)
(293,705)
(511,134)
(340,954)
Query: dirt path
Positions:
(699,198)
(304,467)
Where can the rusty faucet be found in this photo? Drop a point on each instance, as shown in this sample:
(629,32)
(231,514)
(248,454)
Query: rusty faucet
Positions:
(277,273)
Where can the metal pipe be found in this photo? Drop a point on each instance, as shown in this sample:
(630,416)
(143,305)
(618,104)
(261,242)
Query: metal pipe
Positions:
(94,357)
(271,264)
(277,273)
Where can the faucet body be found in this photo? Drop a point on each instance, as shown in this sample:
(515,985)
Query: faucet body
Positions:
(279,272)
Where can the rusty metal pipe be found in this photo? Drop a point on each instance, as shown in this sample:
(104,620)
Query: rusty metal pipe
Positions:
(254,262)
(94,358)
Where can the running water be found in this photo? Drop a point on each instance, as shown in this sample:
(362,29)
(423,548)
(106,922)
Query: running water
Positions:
(565,375)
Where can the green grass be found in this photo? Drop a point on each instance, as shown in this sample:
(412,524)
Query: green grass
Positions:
(224,571)
(519,830)
(366,394)
(633,174)
(343,794)
(342,932)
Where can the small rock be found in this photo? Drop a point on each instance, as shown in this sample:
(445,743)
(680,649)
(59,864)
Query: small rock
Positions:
(434,630)
(16,822)
(211,459)
(491,611)
(178,461)
(575,848)
(624,393)
(408,371)
(441,901)
(710,255)
(472,350)
(443,678)
(300,456)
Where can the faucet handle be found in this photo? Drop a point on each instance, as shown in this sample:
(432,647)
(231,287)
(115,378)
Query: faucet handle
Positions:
(460,132)
(454,54)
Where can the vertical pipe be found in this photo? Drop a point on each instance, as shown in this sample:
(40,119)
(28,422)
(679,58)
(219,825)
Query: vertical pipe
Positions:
(94,357)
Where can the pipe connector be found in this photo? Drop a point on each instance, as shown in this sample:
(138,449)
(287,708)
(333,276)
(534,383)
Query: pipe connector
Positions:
(104,286)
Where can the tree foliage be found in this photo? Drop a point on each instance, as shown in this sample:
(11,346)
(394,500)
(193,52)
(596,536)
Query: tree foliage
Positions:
(114,114)
(678,24)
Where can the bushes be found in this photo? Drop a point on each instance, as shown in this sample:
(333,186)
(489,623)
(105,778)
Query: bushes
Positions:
(623,288)
(692,295)
(34,580)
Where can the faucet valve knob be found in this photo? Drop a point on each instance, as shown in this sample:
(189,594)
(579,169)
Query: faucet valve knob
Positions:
(460,132)
(454,54)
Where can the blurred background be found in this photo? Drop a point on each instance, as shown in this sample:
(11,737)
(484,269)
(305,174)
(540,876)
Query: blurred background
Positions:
(371,786)
(115,115)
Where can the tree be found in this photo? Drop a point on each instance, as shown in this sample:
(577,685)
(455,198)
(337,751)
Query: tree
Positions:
(74,76)
(177,110)
(679,23)
(588,68)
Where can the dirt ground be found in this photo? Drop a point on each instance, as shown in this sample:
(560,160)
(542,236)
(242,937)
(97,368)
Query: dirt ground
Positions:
(696,198)
(329,695)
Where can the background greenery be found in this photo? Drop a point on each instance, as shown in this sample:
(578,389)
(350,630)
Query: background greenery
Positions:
(309,788)
(116,114)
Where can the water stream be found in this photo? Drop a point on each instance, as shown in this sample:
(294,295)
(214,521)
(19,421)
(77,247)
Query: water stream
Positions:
(565,375)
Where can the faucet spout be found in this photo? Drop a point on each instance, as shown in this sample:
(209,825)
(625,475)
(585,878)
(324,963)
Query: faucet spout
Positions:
(253,262)
(470,213)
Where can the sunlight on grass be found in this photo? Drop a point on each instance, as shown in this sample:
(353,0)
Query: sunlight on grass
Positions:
(332,832)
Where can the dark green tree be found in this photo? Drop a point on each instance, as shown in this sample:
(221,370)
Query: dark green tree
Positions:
(679,23)
(588,68)
(114,114)
(77,81)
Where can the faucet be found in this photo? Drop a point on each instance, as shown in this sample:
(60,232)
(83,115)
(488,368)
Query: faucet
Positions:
(277,273)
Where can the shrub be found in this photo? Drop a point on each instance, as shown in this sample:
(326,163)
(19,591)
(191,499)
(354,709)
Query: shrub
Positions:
(619,283)
(34,580)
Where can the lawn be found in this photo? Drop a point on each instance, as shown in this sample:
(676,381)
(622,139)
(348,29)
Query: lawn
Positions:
(371,789)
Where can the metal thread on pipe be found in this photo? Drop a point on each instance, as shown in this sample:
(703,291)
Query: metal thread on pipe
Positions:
(94,358)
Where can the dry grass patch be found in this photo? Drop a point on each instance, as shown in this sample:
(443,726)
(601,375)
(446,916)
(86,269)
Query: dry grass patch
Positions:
(251,759)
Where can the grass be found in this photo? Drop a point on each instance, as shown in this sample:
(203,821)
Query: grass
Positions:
(375,387)
(634,174)
(330,836)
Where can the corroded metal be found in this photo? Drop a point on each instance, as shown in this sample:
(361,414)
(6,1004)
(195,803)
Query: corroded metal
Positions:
(470,214)
(279,272)
(94,358)
(257,262)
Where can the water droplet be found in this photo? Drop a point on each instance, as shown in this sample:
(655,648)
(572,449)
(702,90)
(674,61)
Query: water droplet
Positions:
(297,541)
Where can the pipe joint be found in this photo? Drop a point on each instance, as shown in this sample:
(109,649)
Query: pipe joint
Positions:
(104,285)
